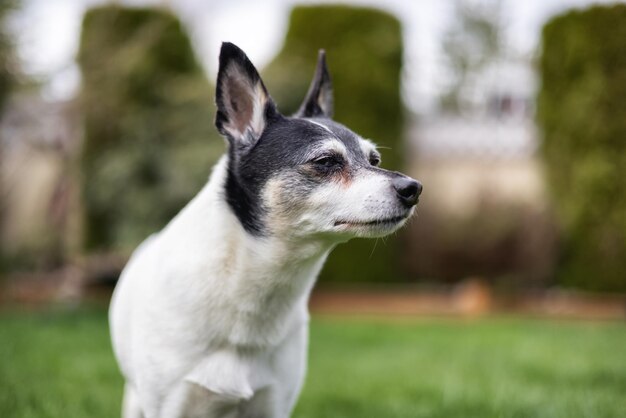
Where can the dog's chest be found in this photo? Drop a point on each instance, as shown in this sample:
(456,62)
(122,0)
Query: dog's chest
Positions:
(225,287)
(259,311)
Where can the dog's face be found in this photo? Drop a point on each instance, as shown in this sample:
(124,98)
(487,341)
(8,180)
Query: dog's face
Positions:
(306,175)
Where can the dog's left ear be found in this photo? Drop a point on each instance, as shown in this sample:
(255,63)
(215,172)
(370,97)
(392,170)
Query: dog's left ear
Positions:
(319,99)
(243,105)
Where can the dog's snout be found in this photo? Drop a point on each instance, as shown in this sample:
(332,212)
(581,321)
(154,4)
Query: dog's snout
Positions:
(408,190)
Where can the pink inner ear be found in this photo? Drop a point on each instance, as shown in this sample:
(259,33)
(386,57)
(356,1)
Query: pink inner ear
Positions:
(244,106)
(244,101)
(241,103)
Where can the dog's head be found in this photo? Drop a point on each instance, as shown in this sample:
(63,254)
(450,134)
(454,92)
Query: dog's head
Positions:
(305,175)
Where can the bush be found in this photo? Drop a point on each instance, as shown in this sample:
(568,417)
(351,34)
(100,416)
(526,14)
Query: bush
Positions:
(7,53)
(364,54)
(149,135)
(581,111)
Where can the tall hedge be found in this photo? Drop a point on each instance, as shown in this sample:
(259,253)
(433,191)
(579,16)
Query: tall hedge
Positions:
(7,53)
(582,113)
(364,55)
(149,135)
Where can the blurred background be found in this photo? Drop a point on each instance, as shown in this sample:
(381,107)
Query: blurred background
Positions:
(512,114)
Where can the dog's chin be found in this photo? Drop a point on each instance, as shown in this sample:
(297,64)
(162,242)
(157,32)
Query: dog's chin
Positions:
(371,228)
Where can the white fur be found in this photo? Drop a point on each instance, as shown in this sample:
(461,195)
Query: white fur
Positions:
(330,145)
(367,146)
(207,319)
(321,125)
(210,321)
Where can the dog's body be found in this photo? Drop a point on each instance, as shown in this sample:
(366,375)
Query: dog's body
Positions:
(210,316)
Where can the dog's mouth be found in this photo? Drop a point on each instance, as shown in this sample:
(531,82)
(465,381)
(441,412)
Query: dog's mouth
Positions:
(375,222)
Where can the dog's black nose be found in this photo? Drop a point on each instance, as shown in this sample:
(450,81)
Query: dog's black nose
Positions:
(408,190)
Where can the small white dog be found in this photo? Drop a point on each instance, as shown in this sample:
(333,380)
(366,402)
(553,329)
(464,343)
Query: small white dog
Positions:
(210,318)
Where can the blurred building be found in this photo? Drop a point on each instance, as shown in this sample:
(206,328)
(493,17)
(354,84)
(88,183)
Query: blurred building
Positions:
(39,216)
(485,210)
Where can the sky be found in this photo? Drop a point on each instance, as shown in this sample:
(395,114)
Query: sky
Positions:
(47,33)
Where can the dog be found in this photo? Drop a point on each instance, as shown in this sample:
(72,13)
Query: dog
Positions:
(209,317)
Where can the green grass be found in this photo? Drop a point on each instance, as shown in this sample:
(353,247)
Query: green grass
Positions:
(60,365)
(57,365)
(487,368)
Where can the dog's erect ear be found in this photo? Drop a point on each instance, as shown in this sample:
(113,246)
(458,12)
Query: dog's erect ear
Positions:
(319,99)
(243,105)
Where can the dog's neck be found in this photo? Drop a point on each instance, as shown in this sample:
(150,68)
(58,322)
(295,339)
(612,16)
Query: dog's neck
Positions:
(262,277)
(273,253)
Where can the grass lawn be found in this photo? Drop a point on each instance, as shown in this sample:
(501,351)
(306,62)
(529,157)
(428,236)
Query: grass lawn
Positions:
(60,365)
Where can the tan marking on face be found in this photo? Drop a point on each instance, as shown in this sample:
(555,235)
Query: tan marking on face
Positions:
(345,177)
(274,199)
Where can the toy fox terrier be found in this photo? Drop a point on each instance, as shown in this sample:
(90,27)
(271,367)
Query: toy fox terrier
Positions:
(210,318)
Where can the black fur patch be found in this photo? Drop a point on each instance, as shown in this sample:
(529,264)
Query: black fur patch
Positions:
(319,99)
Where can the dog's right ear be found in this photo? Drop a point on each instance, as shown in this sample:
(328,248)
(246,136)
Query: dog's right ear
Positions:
(243,105)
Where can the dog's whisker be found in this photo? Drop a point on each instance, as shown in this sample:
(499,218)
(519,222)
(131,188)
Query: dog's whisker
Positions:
(374,248)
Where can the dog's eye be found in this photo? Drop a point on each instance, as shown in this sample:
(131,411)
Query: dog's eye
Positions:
(328,162)
(374,159)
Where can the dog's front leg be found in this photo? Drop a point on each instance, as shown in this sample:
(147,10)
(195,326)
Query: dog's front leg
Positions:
(130,404)
(290,362)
